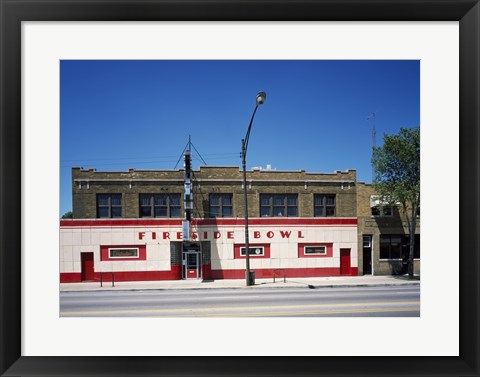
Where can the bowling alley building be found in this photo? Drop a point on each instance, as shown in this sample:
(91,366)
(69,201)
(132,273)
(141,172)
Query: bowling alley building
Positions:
(190,224)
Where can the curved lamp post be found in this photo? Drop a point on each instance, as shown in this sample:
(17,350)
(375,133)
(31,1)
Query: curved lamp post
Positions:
(261,97)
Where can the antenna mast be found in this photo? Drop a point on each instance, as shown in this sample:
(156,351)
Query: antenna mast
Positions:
(372,117)
(188,148)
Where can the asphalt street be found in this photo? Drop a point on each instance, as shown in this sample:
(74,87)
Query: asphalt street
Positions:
(388,301)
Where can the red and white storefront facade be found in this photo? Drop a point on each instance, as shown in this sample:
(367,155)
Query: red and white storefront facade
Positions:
(141,249)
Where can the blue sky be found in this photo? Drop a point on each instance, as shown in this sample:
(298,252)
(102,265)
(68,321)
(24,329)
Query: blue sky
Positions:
(116,115)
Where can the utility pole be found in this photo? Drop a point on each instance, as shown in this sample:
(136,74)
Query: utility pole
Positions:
(188,195)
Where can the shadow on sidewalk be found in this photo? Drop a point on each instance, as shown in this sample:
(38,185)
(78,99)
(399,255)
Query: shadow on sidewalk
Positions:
(405,277)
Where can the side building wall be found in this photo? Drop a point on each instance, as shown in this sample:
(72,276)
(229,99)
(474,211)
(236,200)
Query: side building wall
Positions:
(377,226)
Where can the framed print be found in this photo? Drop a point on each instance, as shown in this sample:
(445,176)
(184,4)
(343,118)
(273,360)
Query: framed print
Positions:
(35,341)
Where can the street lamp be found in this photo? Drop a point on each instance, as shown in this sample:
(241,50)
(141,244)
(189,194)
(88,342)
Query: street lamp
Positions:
(261,96)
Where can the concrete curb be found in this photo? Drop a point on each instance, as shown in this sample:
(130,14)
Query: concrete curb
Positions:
(261,285)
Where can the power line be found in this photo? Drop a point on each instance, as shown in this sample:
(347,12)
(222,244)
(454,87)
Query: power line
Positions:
(140,158)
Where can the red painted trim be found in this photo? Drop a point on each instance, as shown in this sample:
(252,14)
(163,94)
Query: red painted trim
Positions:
(142,275)
(174,274)
(208,274)
(142,253)
(331,221)
(282,221)
(121,222)
(290,273)
(70,277)
(301,250)
(266,250)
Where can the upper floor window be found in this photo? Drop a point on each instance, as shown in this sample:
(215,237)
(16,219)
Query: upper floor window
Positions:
(109,205)
(324,205)
(160,205)
(382,211)
(380,207)
(278,205)
(220,205)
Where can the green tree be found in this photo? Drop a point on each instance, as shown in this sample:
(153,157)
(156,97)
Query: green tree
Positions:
(396,167)
(68,215)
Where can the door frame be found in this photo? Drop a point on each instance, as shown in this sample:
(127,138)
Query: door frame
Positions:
(371,254)
(83,270)
(185,256)
(343,251)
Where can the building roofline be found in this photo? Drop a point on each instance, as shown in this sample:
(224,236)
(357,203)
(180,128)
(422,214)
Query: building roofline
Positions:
(259,171)
(80,180)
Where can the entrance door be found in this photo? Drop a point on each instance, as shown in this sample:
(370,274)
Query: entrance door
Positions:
(345,262)
(191,260)
(191,265)
(87,266)
(367,255)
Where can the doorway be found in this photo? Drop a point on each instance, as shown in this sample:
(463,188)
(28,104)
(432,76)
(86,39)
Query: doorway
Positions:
(88,273)
(367,255)
(192,265)
(345,267)
(191,261)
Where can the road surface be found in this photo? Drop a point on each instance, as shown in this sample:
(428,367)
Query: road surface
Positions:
(388,301)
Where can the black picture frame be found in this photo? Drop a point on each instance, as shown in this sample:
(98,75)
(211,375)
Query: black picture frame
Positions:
(13,12)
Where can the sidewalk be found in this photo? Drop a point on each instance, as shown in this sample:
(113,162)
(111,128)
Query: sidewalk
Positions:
(312,283)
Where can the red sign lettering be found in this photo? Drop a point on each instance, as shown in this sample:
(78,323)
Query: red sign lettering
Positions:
(228,234)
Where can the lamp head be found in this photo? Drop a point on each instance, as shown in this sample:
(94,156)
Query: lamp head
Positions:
(261,97)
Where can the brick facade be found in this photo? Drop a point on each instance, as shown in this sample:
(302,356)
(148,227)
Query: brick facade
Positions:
(86,184)
(282,239)
(376,226)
